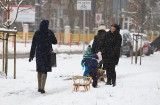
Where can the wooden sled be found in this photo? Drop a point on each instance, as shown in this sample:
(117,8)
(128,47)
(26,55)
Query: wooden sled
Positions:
(81,81)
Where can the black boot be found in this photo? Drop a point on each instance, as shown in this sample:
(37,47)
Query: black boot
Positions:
(43,91)
(114,84)
(114,78)
(95,79)
(39,90)
(108,81)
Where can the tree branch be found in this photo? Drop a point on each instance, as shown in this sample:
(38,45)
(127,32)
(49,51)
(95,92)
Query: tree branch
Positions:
(17,12)
(24,9)
(145,21)
(3,6)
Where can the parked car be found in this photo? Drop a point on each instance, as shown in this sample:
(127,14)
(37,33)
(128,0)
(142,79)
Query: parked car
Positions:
(155,45)
(145,44)
(126,43)
(126,47)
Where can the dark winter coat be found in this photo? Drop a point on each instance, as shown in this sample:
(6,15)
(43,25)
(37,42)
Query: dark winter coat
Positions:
(111,50)
(98,42)
(42,45)
(85,61)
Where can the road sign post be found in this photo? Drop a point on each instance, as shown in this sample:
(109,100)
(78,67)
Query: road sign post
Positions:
(84,5)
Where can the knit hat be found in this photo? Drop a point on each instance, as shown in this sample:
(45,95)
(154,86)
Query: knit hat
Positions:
(88,52)
(102,27)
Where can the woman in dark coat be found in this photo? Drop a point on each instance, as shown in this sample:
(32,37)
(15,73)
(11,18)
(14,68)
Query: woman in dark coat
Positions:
(42,45)
(111,53)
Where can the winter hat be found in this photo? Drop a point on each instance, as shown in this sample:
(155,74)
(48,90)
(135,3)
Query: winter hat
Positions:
(44,25)
(102,27)
(88,52)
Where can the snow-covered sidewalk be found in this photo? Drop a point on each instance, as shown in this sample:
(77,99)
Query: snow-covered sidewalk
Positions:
(136,85)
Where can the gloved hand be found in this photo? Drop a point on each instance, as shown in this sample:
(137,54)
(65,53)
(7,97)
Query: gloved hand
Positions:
(30,59)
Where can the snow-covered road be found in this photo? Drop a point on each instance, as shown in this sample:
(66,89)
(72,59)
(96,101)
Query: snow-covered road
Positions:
(136,85)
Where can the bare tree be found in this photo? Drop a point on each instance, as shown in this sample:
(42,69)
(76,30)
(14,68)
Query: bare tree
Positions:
(71,13)
(6,33)
(7,8)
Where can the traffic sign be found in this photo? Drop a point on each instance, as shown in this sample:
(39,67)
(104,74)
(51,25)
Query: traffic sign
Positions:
(83,4)
(98,18)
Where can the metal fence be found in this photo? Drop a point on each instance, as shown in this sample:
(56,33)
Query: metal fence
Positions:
(72,38)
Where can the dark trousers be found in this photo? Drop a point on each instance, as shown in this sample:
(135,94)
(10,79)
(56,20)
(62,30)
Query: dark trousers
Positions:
(95,79)
(111,73)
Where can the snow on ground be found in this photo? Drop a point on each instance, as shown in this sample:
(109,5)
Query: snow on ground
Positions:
(136,85)
(22,48)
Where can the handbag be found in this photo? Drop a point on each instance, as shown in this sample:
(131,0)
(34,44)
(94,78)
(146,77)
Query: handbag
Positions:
(53,60)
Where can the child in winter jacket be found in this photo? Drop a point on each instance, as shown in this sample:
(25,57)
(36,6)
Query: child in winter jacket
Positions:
(86,58)
(93,69)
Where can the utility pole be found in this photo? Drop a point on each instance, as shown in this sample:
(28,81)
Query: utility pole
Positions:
(152,22)
(142,15)
(37,14)
(94,9)
(106,14)
(151,18)
(119,11)
(84,5)
(59,16)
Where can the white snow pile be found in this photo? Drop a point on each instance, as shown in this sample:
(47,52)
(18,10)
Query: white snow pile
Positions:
(136,85)
(2,74)
(25,48)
